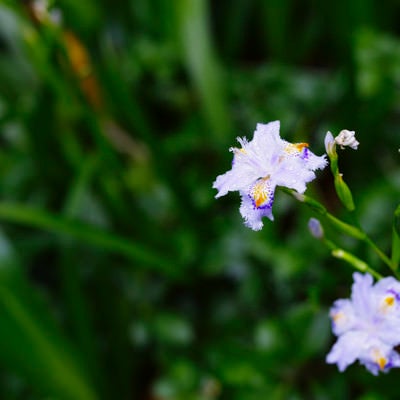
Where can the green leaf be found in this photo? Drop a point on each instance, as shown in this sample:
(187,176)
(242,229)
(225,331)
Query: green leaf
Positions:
(38,353)
(343,192)
(86,233)
(31,344)
(396,239)
(202,64)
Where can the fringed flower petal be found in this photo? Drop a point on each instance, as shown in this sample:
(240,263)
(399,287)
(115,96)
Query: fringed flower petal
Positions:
(263,163)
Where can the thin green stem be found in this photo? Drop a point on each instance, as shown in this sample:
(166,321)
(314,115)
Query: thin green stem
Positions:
(342,226)
(355,262)
(379,252)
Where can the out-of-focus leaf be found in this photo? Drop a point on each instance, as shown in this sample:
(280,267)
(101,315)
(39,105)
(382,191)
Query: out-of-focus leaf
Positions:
(40,219)
(30,343)
(199,56)
(37,352)
(396,238)
(173,330)
(378,62)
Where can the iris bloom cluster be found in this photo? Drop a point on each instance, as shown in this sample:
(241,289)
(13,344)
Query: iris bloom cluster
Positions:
(262,164)
(367,325)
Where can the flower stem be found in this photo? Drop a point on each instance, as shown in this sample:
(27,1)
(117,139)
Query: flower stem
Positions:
(342,226)
(358,264)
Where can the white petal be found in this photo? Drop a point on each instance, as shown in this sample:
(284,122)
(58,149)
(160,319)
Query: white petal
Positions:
(270,130)
(252,215)
(347,138)
(343,316)
(361,295)
(329,142)
(347,349)
(238,178)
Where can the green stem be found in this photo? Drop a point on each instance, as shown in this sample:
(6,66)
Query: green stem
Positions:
(355,262)
(378,251)
(342,226)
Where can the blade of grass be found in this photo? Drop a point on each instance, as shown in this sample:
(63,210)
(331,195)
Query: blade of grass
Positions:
(237,16)
(276,17)
(41,355)
(74,296)
(88,234)
(206,73)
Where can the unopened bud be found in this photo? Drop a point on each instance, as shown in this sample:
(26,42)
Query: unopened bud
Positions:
(315,228)
(330,144)
(344,192)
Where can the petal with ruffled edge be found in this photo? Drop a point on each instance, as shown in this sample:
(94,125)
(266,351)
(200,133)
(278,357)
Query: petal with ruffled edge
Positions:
(235,179)
(379,357)
(262,153)
(252,161)
(348,348)
(368,325)
(343,317)
(266,136)
(257,203)
(389,286)
(267,158)
(293,175)
(297,165)
(374,354)
(361,295)
(315,162)
(386,293)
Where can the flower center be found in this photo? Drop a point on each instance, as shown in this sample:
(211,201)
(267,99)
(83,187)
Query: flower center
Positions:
(388,302)
(379,359)
(295,148)
(337,316)
(262,193)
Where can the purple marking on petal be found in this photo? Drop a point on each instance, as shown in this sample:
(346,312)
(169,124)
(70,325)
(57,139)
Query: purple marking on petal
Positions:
(265,206)
(286,164)
(261,194)
(395,294)
(370,334)
(305,154)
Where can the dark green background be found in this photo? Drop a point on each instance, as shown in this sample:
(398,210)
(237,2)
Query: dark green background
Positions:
(121,277)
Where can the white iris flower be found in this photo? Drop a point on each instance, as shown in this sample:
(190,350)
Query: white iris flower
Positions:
(262,164)
(367,325)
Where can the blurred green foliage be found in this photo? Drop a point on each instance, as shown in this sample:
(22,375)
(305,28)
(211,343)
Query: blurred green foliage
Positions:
(120,275)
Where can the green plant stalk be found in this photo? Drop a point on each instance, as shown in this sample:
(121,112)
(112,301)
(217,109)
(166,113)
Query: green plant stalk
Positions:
(341,226)
(199,55)
(342,190)
(355,262)
(396,239)
(395,250)
(23,331)
(75,298)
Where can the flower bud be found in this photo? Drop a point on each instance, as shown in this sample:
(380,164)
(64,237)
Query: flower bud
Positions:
(351,259)
(344,192)
(315,228)
(330,145)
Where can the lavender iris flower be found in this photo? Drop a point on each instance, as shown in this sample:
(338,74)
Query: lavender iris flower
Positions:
(367,325)
(261,165)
